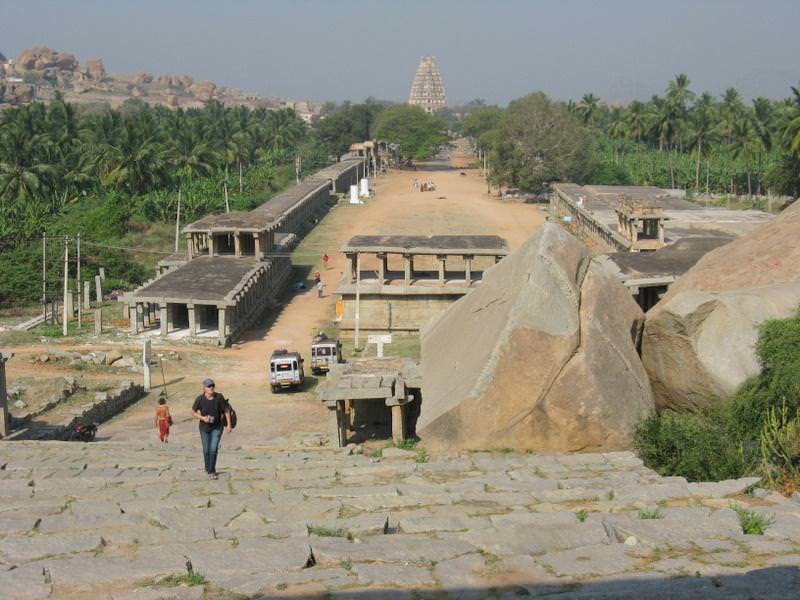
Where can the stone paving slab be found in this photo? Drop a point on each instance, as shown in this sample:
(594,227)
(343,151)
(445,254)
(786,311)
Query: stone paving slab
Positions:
(107,520)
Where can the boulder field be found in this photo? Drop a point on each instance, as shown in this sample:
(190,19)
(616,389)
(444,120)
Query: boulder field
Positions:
(541,356)
(699,340)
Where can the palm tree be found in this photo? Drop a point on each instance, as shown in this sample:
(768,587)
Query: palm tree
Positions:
(702,131)
(587,109)
(638,121)
(745,145)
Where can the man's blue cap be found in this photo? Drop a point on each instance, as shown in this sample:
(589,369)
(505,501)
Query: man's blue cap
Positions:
(208,382)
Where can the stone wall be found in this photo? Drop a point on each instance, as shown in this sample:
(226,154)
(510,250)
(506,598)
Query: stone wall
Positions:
(104,406)
(586,224)
(394,313)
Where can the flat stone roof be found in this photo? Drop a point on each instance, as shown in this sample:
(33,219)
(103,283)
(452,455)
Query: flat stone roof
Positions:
(278,206)
(670,261)
(232,221)
(680,214)
(435,244)
(205,279)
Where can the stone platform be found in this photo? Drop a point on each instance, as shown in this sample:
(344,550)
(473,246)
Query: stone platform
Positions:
(107,520)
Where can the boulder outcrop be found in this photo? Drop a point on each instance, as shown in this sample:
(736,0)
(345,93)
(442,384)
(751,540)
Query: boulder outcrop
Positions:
(95,69)
(699,340)
(178,81)
(541,356)
(203,90)
(39,59)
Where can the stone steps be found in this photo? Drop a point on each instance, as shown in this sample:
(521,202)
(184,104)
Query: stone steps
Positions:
(84,518)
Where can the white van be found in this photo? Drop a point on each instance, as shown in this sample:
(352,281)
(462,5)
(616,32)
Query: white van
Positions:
(285,370)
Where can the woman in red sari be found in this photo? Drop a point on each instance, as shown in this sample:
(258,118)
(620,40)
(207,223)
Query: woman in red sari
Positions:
(163,420)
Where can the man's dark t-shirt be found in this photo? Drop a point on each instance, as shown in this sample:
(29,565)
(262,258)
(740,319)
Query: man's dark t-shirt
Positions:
(214,407)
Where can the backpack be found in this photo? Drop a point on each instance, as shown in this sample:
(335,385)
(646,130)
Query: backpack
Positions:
(234,419)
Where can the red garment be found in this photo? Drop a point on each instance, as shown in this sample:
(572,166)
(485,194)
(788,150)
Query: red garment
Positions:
(163,429)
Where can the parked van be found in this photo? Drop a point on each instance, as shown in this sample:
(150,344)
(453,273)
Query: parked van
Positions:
(325,352)
(285,370)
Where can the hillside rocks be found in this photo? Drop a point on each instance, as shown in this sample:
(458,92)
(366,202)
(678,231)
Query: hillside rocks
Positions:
(699,340)
(178,81)
(541,356)
(40,59)
(95,69)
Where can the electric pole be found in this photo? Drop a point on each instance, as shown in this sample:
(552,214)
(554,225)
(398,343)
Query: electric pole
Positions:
(178,220)
(78,280)
(44,275)
(65,318)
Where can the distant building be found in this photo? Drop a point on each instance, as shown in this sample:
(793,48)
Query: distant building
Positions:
(427,89)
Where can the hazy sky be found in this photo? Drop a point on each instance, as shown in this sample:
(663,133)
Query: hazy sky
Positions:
(495,49)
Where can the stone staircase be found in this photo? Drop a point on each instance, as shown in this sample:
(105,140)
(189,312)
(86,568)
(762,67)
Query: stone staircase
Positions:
(113,520)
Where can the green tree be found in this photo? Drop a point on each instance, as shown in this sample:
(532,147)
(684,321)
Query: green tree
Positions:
(418,134)
(539,141)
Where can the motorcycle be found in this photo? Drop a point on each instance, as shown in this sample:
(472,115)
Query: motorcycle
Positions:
(82,432)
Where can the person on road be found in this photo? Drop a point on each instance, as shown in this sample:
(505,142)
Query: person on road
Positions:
(209,409)
(163,420)
(319,287)
(325,259)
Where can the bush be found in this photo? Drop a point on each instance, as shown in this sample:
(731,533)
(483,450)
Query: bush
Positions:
(757,430)
(695,446)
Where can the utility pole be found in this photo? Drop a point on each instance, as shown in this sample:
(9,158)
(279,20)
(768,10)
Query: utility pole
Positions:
(44,275)
(358,300)
(178,221)
(298,164)
(78,281)
(65,318)
(227,205)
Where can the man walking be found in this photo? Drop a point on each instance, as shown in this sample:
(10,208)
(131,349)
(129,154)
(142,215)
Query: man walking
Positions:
(209,409)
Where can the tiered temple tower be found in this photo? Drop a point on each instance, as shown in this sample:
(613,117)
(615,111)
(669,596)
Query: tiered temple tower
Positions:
(427,89)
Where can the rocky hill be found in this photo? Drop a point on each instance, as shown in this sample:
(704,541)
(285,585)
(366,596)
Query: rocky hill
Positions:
(38,73)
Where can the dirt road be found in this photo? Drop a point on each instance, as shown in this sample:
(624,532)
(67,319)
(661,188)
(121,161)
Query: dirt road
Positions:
(460,205)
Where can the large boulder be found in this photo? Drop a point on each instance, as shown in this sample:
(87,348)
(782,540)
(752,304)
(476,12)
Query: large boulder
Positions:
(39,59)
(540,356)
(203,90)
(699,340)
(95,69)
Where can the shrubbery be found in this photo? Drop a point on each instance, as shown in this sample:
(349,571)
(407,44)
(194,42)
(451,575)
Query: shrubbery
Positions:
(756,431)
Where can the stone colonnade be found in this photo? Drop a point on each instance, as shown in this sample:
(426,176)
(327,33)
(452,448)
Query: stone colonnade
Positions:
(353,265)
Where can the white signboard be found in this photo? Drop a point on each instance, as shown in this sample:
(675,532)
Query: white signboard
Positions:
(354,195)
(380,340)
(364,188)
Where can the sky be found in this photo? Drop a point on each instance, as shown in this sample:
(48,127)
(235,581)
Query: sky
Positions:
(496,50)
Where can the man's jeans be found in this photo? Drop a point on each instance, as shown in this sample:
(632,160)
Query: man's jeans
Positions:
(210,441)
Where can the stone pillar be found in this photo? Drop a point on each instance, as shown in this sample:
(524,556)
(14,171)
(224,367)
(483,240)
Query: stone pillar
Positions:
(468,269)
(98,321)
(237,244)
(257,243)
(146,315)
(408,268)
(140,315)
(442,267)
(5,424)
(350,266)
(164,318)
(222,323)
(398,423)
(69,307)
(134,318)
(98,288)
(212,245)
(382,267)
(190,245)
(192,320)
(497,259)
(102,273)
(146,355)
(86,298)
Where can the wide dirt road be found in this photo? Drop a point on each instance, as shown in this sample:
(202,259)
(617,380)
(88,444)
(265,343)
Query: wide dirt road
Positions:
(460,205)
